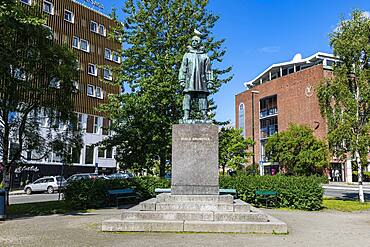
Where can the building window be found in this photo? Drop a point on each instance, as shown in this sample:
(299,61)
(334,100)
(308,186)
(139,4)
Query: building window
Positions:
(241,118)
(76,153)
(94,26)
(50,35)
(69,16)
(102,30)
(101,152)
(89,154)
(92,70)
(97,125)
(90,90)
(109,153)
(116,57)
(84,45)
(54,83)
(48,7)
(29,2)
(99,93)
(75,42)
(107,74)
(108,54)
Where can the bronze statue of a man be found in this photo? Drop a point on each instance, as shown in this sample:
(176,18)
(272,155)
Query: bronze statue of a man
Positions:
(195,75)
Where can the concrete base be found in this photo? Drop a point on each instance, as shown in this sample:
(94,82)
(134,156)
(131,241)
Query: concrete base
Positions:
(194,213)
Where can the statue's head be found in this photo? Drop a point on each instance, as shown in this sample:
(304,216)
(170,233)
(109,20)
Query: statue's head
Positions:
(195,42)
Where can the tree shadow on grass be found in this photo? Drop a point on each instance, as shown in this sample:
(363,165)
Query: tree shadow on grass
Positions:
(29,210)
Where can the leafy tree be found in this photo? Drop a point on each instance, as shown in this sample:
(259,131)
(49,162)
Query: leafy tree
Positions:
(298,151)
(232,148)
(156,35)
(36,80)
(345,98)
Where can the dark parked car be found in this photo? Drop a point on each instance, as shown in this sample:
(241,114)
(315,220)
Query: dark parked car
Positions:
(77,177)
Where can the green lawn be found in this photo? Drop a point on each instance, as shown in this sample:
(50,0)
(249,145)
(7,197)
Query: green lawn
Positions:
(39,208)
(345,205)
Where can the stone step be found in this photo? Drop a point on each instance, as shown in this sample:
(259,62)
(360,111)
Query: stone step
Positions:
(142,226)
(194,206)
(165,197)
(236,227)
(193,226)
(194,216)
(166,215)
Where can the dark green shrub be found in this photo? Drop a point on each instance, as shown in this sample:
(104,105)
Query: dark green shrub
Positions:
(93,193)
(365,176)
(293,192)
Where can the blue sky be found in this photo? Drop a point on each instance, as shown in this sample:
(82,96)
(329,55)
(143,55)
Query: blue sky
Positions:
(259,33)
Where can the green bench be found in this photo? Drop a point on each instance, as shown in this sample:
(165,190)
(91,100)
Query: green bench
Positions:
(120,194)
(222,191)
(267,196)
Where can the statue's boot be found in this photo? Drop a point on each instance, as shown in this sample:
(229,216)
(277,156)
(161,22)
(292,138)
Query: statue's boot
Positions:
(204,113)
(186,114)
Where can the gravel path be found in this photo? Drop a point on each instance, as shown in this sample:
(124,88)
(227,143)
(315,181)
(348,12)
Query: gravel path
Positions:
(325,228)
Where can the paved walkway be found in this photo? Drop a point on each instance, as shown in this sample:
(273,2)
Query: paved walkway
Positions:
(325,228)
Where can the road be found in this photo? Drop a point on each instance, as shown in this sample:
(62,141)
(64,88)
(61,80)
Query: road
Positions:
(18,199)
(345,191)
(337,191)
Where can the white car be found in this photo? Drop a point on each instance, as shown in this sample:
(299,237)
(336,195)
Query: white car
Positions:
(48,184)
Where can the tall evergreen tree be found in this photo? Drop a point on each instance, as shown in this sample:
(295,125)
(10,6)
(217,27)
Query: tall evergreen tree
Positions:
(36,76)
(345,98)
(156,34)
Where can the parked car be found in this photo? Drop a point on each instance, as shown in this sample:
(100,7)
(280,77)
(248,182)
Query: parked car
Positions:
(48,184)
(120,175)
(77,177)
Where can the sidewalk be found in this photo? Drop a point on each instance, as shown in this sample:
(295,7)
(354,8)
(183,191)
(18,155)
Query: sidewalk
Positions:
(345,186)
(16,192)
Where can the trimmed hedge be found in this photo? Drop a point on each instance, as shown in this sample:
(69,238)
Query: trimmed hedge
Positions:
(365,176)
(88,193)
(293,192)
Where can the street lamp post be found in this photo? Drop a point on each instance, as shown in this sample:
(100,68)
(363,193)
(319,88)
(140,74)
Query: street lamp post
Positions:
(253,149)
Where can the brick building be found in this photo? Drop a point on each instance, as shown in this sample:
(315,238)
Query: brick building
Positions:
(83,26)
(282,94)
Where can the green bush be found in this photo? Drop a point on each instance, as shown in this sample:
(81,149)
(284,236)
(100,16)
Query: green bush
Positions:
(88,193)
(293,192)
(365,176)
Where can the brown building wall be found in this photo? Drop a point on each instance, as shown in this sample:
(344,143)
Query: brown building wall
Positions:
(296,102)
(64,32)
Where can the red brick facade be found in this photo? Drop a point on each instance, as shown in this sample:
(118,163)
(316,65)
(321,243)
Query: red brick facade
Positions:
(296,103)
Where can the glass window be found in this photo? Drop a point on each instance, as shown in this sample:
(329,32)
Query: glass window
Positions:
(94,26)
(69,16)
(84,45)
(75,42)
(99,93)
(89,155)
(241,118)
(108,54)
(76,152)
(29,2)
(116,57)
(96,125)
(48,7)
(92,69)
(109,153)
(102,30)
(90,90)
(101,152)
(107,74)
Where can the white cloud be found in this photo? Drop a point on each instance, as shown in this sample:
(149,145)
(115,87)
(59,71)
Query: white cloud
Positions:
(366,14)
(269,49)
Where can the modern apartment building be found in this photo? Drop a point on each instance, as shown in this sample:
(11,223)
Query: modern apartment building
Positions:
(85,30)
(282,94)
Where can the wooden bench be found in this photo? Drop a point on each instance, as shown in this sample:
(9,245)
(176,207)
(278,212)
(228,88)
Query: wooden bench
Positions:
(266,195)
(222,191)
(121,194)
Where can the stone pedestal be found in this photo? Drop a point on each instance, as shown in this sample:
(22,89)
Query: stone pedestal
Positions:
(195,159)
(194,204)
